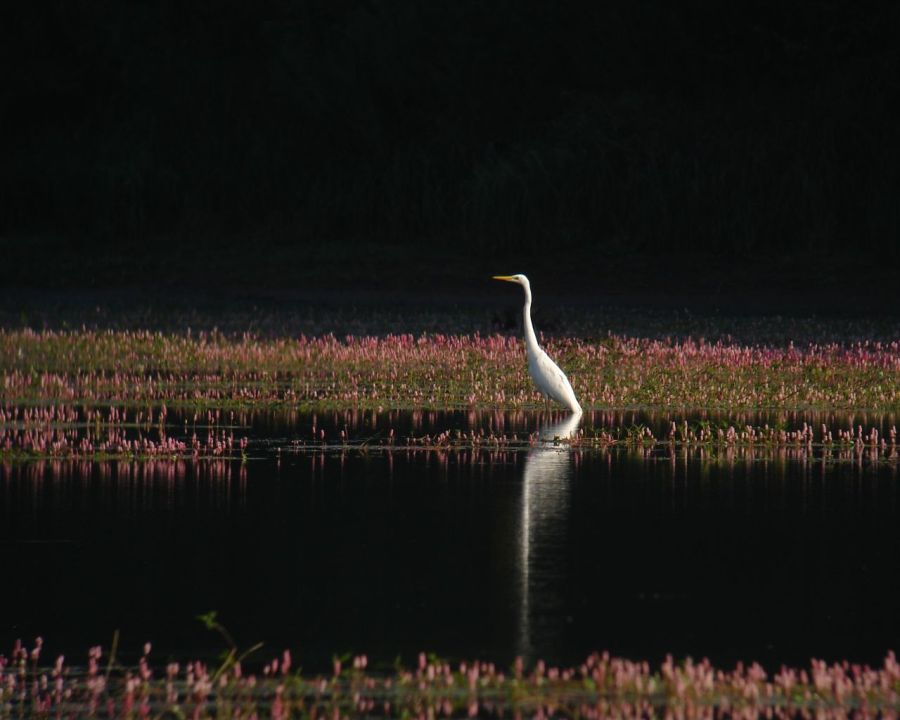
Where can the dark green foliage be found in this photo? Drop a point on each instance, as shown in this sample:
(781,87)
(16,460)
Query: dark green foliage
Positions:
(620,128)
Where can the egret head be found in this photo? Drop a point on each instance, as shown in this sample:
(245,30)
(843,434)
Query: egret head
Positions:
(518,279)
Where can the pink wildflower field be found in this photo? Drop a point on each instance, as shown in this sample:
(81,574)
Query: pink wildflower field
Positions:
(145,394)
(439,371)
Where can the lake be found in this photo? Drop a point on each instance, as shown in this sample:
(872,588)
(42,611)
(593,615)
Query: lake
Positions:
(367,542)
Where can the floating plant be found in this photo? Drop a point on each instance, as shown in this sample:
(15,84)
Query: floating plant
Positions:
(83,432)
(78,432)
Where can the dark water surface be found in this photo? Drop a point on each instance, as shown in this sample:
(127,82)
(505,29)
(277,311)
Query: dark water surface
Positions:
(775,555)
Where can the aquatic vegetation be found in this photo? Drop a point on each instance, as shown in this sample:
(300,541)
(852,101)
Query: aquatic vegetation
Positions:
(601,686)
(82,432)
(68,431)
(437,371)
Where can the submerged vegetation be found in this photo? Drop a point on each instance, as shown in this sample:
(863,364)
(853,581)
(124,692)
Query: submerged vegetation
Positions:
(437,371)
(601,686)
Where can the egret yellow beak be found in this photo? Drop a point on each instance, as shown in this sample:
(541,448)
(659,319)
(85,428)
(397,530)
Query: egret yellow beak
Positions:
(508,278)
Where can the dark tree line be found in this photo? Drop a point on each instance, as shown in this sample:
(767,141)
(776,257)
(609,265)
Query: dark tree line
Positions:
(644,126)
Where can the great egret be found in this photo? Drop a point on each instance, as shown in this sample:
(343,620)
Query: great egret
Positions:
(550,380)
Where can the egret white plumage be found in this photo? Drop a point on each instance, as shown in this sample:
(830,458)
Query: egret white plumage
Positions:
(547,376)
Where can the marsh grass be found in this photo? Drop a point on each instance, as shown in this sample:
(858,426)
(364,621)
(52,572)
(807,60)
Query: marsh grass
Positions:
(213,370)
(601,686)
(117,432)
(141,394)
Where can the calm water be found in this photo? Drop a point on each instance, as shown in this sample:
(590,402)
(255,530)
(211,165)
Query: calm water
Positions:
(546,552)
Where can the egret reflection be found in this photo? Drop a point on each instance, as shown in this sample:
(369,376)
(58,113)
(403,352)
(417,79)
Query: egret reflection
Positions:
(546,484)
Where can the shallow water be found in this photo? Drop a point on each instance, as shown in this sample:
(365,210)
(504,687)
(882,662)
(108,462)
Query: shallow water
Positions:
(771,554)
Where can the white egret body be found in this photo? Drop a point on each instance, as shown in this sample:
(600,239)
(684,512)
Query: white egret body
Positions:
(547,376)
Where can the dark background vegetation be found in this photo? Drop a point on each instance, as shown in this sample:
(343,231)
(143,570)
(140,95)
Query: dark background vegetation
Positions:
(650,146)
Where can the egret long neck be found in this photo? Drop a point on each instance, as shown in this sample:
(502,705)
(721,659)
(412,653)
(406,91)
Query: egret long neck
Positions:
(531,343)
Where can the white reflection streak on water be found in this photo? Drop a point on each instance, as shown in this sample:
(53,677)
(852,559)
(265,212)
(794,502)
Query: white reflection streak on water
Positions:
(545,501)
